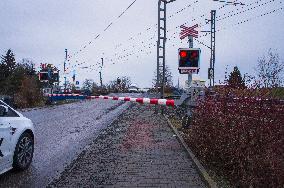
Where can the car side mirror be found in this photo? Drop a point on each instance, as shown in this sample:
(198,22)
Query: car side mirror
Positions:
(3,110)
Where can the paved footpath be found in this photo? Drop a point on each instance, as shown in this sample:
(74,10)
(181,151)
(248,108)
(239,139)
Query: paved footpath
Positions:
(137,150)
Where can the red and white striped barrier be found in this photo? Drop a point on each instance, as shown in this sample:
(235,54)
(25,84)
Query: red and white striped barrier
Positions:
(165,102)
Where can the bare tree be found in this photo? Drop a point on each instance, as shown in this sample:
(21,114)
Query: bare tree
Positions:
(125,83)
(168,77)
(119,85)
(270,70)
(88,84)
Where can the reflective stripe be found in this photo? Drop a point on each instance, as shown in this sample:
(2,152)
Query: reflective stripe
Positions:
(133,99)
(162,101)
(146,100)
(153,101)
(126,99)
(170,103)
(140,100)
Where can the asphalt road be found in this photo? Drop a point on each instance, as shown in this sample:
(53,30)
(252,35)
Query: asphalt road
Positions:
(62,133)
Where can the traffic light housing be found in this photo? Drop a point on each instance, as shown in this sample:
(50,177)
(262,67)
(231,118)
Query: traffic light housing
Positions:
(189,58)
(45,76)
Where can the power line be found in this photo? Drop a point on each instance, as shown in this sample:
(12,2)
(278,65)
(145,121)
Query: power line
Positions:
(235,14)
(244,21)
(253,18)
(230,2)
(252,8)
(140,33)
(154,26)
(109,25)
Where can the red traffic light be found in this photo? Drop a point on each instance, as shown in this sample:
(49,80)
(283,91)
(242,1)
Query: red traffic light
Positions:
(183,54)
(189,58)
(194,54)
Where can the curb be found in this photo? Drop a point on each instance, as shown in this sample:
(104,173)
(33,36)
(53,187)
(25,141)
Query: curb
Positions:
(208,180)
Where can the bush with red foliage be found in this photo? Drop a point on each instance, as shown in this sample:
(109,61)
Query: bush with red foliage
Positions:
(240,136)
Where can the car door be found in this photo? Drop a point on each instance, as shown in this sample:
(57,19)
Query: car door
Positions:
(5,140)
(6,132)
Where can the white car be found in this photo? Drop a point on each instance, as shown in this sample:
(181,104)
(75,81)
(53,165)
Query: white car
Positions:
(16,139)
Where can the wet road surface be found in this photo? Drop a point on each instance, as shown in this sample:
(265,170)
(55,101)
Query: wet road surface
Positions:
(62,132)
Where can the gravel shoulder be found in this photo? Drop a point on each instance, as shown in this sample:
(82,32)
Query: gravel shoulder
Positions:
(138,149)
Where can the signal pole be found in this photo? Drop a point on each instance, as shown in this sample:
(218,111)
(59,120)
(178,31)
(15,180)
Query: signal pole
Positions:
(65,82)
(190,43)
(213,45)
(101,79)
(161,45)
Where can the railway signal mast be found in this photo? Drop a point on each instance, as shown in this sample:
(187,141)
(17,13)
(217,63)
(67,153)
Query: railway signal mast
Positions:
(101,68)
(211,70)
(189,62)
(161,45)
(65,79)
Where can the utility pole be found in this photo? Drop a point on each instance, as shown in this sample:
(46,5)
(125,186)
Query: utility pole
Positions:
(65,82)
(213,45)
(101,79)
(161,45)
(190,43)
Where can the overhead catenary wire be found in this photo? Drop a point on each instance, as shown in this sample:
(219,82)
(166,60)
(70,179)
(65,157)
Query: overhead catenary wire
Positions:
(201,25)
(244,21)
(109,25)
(235,14)
(225,16)
(238,23)
(252,8)
(177,12)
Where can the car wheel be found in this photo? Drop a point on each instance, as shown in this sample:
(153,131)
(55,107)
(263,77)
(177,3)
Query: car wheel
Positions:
(24,150)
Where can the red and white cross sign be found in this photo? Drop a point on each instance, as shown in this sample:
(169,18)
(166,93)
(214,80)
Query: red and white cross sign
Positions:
(188,31)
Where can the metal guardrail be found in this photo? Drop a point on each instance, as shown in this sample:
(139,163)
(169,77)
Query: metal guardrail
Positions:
(61,97)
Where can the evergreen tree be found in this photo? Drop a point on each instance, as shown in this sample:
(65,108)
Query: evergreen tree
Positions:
(235,79)
(8,65)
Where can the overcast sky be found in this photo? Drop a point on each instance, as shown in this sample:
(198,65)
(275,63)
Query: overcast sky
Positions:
(42,29)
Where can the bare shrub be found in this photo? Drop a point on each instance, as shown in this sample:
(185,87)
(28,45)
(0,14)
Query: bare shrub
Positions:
(29,94)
